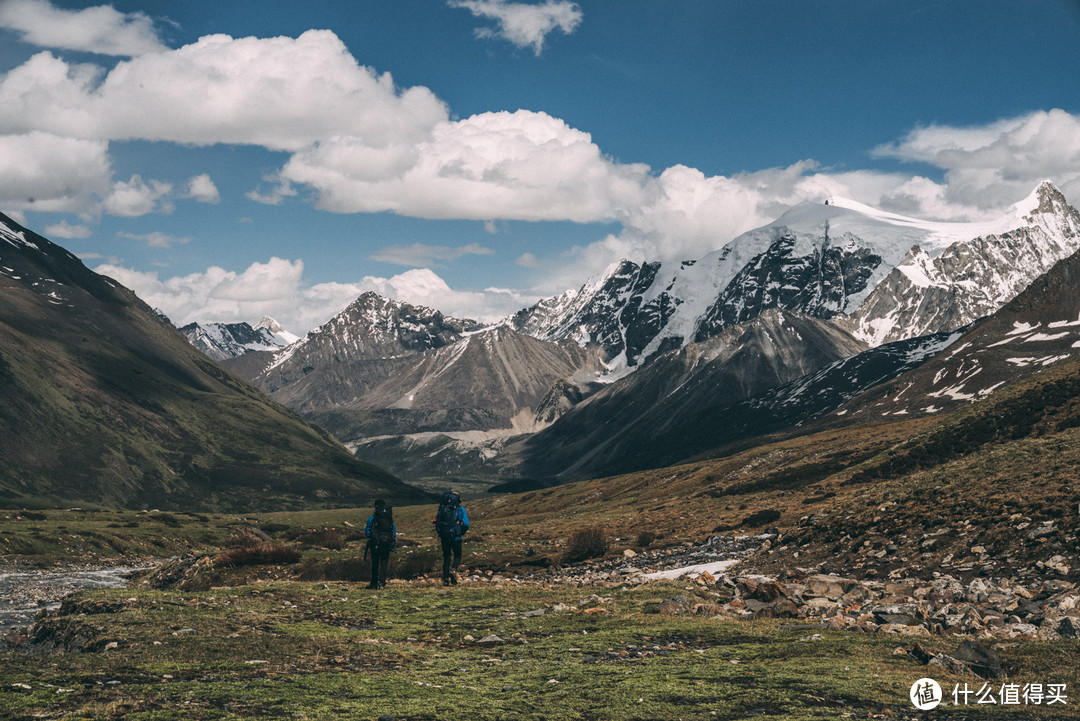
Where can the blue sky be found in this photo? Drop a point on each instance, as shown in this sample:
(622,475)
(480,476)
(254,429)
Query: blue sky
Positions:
(228,160)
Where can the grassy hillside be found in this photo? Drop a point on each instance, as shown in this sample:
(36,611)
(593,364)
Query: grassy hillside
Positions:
(105,404)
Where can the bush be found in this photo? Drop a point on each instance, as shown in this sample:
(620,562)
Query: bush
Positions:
(761,518)
(330,538)
(645,538)
(414,565)
(586,543)
(344,569)
(258,555)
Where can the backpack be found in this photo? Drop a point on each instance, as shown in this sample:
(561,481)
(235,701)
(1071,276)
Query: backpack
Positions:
(446,519)
(382,530)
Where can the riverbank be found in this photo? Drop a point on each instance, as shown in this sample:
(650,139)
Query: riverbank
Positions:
(25,593)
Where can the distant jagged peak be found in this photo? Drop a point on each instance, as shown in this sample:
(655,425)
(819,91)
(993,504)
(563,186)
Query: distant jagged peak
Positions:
(277,330)
(270,324)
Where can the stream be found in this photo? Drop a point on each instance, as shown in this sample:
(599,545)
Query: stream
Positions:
(24,593)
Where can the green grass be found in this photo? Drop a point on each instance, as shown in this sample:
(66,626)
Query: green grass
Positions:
(339,651)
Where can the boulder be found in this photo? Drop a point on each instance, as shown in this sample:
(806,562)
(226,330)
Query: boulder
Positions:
(983,661)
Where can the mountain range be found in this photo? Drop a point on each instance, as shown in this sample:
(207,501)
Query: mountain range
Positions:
(103,403)
(221,341)
(835,314)
(648,364)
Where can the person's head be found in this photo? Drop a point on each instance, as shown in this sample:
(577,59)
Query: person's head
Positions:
(380,504)
(449,495)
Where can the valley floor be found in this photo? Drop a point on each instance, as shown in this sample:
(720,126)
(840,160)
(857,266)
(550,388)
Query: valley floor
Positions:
(479,651)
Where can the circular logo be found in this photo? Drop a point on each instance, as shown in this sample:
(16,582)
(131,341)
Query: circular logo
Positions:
(925,694)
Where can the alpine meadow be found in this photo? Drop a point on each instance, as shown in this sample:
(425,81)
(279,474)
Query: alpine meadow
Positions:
(539,360)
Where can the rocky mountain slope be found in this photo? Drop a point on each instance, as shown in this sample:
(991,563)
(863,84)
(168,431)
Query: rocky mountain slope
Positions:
(365,344)
(607,432)
(919,377)
(104,403)
(1035,330)
(408,387)
(221,341)
(892,277)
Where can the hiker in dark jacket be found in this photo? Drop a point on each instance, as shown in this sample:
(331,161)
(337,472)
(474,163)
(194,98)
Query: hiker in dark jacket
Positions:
(382,537)
(451,523)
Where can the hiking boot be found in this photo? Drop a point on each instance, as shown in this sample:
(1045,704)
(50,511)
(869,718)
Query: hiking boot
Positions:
(382,584)
(453,578)
(373,586)
(446,582)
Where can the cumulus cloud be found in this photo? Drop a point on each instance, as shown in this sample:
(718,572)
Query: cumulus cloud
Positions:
(63,229)
(202,189)
(281,93)
(156,240)
(988,166)
(44,172)
(418,255)
(523,166)
(101,29)
(523,24)
(277,288)
(422,286)
(136,198)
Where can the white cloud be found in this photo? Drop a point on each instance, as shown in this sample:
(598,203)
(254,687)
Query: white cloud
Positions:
(63,229)
(280,93)
(522,166)
(43,172)
(523,24)
(101,29)
(418,255)
(421,286)
(989,166)
(137,198)
(156,240)
(277,288)
(202,189)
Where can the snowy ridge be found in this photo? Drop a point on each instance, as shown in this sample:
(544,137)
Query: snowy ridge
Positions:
(231,340)
(841,259)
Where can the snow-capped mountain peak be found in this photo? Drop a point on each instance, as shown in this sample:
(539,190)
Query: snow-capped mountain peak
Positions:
(829,260)
(277,330)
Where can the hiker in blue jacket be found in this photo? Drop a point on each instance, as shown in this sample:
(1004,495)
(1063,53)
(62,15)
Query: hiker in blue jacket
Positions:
(382,537)
(451,523)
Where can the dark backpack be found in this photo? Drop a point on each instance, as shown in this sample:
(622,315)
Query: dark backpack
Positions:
(382,530)
(446,519)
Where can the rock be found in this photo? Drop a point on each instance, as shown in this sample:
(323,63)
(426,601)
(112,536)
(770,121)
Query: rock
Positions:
(903,629)
(767,591)
(982,660)
(629,553)
(831,587)
(674,606)
(491,640)
(895,618)
(1069,627)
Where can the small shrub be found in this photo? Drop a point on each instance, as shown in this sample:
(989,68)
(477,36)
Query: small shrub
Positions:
(761,518)
(168,519)
(586,543)
(414,565)
(329,538)
(247,538)
(645,538)
(354,569)
(258,555)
